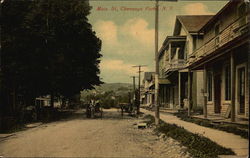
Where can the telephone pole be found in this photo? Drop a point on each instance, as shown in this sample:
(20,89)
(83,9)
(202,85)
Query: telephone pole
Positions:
(139,87)
(133,82)
(133,90)
(157,109)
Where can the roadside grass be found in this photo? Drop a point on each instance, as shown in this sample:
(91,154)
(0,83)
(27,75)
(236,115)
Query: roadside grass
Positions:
(197,145)
(13,129)
(12,125)
(241,130)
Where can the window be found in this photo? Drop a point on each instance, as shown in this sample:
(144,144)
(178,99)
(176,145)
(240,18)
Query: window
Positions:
(227,83)
(217,29)
(242,10)
(187,48)
(217,32)
(209,85)
(194,43)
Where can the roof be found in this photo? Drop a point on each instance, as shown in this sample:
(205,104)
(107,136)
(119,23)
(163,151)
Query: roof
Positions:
(227,7)
(164,81)
(148,76)
(192,23)
(168,39)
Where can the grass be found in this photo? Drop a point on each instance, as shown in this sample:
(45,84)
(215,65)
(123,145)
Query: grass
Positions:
(12,124)
(197,145)
(241,130)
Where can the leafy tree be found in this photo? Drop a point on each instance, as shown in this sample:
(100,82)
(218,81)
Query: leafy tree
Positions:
(48,47)
(71,47)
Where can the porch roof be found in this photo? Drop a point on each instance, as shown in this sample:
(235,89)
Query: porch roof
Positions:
(222,51)
(164,81)
(176,41)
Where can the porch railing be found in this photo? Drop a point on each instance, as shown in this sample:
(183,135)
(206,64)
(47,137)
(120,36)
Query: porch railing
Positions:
(175,64)
(234,30)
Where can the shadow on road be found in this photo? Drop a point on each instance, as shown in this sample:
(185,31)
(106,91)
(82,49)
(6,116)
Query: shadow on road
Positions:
(108,114)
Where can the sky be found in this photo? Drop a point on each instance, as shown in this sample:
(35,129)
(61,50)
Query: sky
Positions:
(127,31)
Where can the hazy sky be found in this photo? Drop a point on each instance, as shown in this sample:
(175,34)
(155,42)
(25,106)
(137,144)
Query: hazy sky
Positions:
(127,32)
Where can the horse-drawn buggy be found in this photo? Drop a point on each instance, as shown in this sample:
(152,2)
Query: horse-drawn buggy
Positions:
(94,110)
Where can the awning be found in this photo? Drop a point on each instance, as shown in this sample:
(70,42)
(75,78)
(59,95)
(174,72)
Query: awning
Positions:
(164,81)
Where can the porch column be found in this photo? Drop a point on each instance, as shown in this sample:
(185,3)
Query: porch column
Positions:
(232,87)
(205,92)
(189,93)
(169,53)
(179,89)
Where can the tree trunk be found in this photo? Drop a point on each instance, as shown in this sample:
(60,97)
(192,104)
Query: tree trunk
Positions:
(14,101)
(63,103)
(52,100)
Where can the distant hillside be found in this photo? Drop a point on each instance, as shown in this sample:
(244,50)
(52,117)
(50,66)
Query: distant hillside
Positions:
(117,88)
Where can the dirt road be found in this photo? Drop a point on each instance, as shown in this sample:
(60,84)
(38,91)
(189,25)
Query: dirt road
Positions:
(111,136)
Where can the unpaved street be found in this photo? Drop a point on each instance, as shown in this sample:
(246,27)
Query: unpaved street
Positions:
(111,136)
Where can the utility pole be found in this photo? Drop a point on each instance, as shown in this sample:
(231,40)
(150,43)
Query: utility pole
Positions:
(133,82)
(157,109)
(139,87)
(133,90)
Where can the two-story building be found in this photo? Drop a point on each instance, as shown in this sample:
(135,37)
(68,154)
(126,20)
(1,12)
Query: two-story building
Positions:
(173,57)
(222,52)
(147,93)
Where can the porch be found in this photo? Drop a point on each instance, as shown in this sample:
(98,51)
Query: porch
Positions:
(226,83)
(218,119)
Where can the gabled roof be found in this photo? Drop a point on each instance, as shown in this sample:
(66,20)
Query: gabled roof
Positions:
(227,8)
(192,23)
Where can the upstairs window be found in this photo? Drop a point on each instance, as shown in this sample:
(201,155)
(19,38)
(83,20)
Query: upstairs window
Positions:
(194,43)
(217,29)
(217,32)
(242,10)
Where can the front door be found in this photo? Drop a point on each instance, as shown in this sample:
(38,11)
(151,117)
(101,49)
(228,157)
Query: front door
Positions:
(241,90)
(217,93)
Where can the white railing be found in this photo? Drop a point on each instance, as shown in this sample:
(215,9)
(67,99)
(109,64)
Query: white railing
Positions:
(175,64)
(234,30)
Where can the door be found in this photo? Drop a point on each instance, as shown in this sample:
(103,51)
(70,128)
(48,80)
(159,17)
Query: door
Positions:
(241,90)
(217,93)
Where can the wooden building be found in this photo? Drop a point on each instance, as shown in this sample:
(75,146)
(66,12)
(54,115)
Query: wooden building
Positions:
(222,52)
(173,57)
(147,93)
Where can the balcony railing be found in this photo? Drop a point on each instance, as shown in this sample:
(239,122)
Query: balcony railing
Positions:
(175,64)
(234,30)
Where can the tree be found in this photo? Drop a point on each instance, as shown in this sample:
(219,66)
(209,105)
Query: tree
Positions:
(71,45)
(48,47)
(13,54)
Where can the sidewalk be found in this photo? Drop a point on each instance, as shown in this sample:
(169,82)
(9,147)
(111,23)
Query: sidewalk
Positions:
(228,140)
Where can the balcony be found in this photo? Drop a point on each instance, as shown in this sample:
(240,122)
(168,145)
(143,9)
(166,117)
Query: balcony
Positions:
(236,29)
(175,64)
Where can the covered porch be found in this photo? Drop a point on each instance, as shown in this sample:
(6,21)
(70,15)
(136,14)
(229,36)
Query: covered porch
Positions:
(226,81)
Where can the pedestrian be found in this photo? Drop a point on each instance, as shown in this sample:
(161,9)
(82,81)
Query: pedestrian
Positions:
(92,107)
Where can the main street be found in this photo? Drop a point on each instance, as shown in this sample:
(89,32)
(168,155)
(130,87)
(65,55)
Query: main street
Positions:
(112,136)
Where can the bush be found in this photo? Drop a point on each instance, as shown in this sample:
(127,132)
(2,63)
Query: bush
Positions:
(197,145)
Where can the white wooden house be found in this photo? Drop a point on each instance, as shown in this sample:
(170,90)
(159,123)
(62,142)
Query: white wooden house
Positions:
(173,57)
